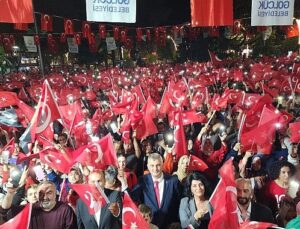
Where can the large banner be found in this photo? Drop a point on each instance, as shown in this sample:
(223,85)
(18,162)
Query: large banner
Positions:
(272,12)
(111,10)
(211,12)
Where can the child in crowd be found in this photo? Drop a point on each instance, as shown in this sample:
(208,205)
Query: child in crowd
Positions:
(146,212)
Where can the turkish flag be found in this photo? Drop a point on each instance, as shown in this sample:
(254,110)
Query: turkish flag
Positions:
(86,29)
(218,102)
(261,137)
(296,68)
(90,195)
(46,22)
(131,216)
(20,221)
(146,126)
(211,12)
(139,93)
(256,225)
(46,112)
(56,159)
(16,11)
(197,164)
(8,99)
(166,104)
(69,26)
(224,200)
(72,114)
(99,154)
(180,147)
(24,112)
(295,132)
(126,104)
(10,147)
(188,117)
(102,31)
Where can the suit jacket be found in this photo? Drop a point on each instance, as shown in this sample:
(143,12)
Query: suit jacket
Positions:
(187,210)
(144,192)
(107,220)
(261,213)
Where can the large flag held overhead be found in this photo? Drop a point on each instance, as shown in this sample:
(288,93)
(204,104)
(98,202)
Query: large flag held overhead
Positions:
(46,112)
(16,11)
(211,12)
(20,221)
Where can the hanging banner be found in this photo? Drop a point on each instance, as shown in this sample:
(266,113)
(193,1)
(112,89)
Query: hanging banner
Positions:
(73,47)
(211,13)
(111,44)
(272,12)
(30,43)
(111,10)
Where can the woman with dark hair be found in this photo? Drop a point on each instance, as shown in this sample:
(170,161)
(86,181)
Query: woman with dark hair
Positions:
(276,189)
(195,209)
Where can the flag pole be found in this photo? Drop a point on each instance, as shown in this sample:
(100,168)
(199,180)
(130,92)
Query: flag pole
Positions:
(41,62)
(100,189)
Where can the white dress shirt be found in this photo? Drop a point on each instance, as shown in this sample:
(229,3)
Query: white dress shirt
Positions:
(97,217)
(161,185)
(239,213)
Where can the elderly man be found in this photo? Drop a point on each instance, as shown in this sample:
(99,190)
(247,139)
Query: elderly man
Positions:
(48,213)
(247,208)
(109,216)
(159,191)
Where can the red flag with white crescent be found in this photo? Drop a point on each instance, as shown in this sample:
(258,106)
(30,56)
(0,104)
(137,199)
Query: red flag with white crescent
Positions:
(46,112)
(57,160)
(90,195)
(20,221)
(197,164)
(46,22)
(131,216)
(180,147)
(146,126)
(8,99)
(99,154)
(224,200)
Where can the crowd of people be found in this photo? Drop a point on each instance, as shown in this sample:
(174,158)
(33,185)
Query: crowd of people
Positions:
(155,167)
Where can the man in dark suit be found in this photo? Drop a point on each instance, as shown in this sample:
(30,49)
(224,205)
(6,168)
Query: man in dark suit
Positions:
(247,208)
(160,192)
(109,216)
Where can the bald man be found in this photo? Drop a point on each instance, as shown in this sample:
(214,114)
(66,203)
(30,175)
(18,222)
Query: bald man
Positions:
(247,208)
(109,216)
(48,213)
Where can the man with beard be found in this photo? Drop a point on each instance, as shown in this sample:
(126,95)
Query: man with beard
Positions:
(247,208)
(48,213)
